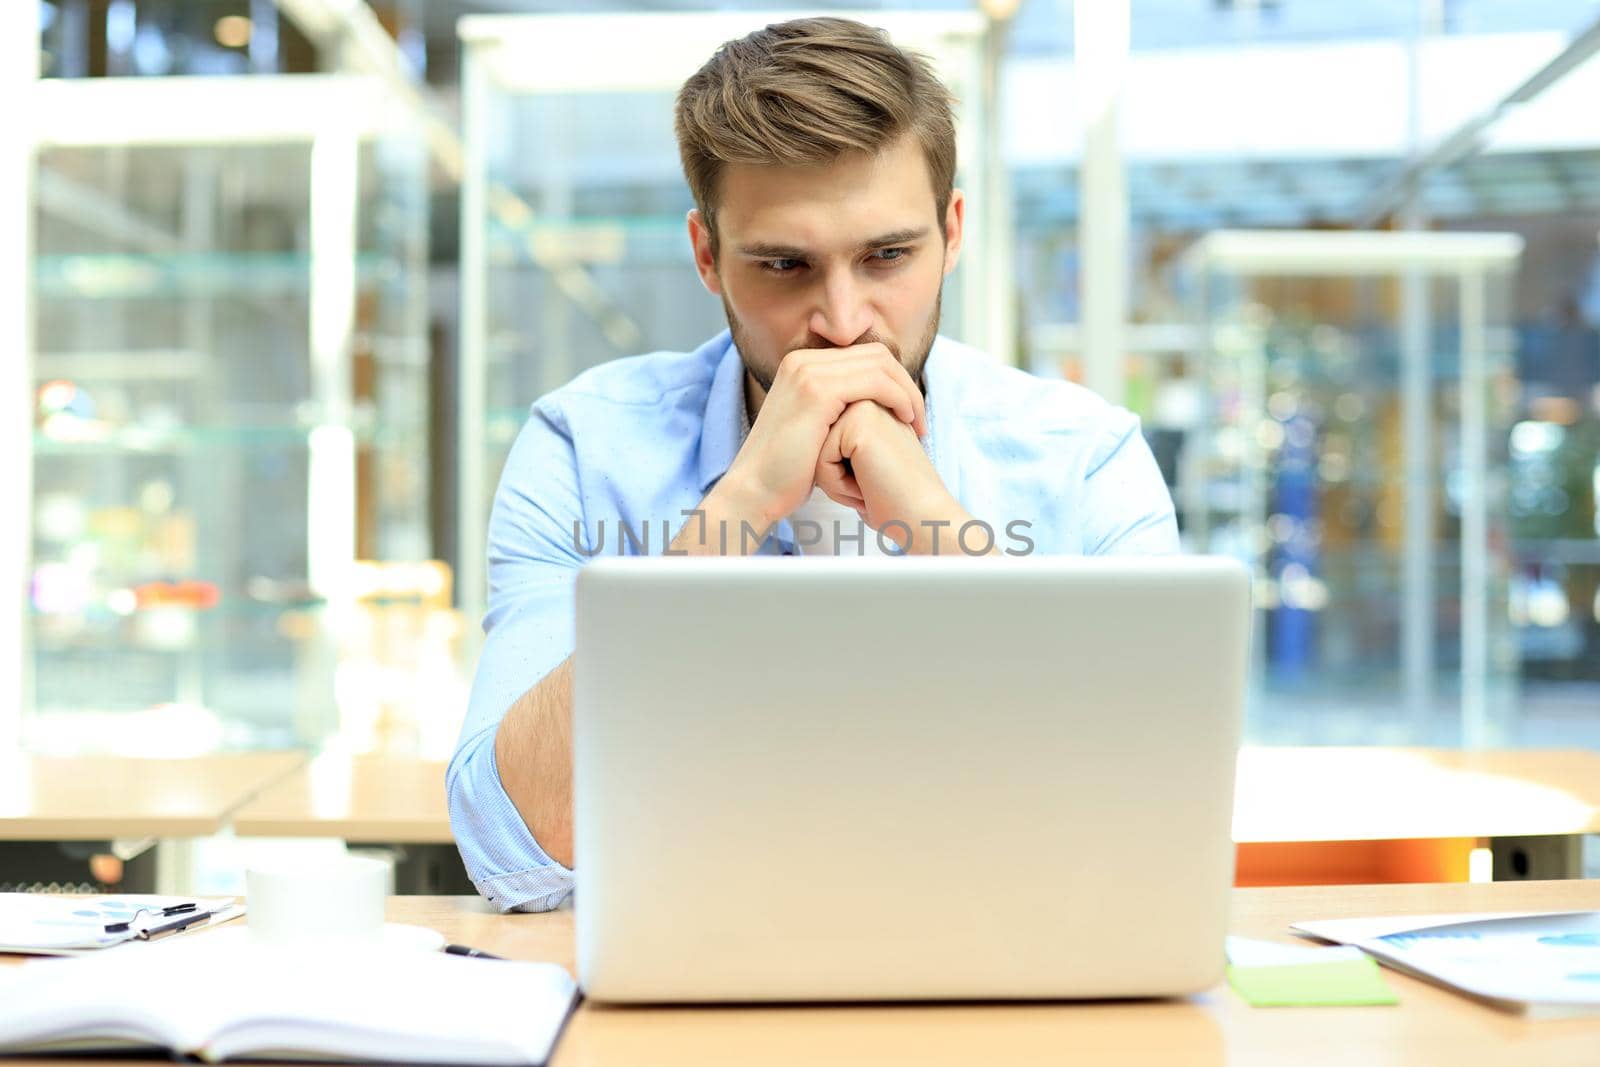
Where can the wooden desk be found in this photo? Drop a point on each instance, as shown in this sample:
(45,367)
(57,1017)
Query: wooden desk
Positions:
(1367,794)
(54,798)
(1430,1026)
(56,813)
(1352,815)
(358,798)
(387,802)
(1302,815)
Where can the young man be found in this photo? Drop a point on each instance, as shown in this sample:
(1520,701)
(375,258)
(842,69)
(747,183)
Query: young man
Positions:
(829,417)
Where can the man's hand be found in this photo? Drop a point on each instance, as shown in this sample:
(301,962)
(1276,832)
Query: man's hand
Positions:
(872,462)
(776,468)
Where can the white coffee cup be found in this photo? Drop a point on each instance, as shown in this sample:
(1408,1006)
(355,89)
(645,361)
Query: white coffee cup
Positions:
(326,901)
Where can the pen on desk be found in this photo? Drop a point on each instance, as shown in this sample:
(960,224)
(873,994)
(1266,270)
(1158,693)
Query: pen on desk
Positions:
(170,910)
(477,954)
(180,923)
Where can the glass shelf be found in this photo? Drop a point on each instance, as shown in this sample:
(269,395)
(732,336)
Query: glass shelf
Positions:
(1569,550)
(231,403)
(615,241)
(127,277)
(103,440)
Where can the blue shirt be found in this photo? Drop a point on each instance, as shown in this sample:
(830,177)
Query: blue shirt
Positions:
(641,440)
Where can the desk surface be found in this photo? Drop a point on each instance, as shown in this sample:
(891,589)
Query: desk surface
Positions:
(359,798)
(1284,795)
(64,798)
(1430,1026)
(1370,794)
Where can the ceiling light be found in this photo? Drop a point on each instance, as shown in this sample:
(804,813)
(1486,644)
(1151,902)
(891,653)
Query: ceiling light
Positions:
(1000,10)
(233,31)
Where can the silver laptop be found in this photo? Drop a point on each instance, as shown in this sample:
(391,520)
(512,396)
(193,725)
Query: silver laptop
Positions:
(905,779)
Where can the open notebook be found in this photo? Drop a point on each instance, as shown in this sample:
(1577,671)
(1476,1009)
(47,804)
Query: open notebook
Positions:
(218,997)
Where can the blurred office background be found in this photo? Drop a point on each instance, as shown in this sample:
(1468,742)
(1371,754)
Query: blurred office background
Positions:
(280,278)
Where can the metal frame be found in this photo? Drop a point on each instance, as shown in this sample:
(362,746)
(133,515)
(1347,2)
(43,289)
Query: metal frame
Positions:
(19,73)
(472,357)
(1474,135)
(1467,258)
(1101,31)
(527,54)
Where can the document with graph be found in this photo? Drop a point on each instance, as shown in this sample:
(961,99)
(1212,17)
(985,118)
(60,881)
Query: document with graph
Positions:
(46,924)
(1543,965)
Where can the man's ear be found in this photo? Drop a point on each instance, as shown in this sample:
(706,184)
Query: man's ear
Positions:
(954,215)
(704,261)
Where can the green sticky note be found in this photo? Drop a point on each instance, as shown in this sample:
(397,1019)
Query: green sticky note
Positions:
(1337,982)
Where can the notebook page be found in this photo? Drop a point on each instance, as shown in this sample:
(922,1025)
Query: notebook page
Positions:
(218,996)
(399,1006)
(107,1000)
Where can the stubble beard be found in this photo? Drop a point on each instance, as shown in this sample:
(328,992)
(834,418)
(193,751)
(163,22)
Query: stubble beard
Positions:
(764,375)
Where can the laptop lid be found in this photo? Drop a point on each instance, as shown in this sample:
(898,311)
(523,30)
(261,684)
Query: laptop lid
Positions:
(839,779)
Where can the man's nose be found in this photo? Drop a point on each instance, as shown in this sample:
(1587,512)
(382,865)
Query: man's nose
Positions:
(842,313)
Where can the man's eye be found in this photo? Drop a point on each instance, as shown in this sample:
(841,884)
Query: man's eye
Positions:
(891,255)
(781,266)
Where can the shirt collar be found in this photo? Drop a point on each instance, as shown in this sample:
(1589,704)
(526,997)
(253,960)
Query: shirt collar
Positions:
(727,422)
(941,394)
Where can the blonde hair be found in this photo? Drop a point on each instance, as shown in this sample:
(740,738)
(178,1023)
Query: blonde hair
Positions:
(803,93)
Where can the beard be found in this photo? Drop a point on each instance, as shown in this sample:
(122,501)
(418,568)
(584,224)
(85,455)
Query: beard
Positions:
(764,371)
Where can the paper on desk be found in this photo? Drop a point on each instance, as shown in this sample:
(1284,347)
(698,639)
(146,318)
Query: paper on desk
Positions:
(1250,952)
(1352,931)
(1544,965)
(45,924)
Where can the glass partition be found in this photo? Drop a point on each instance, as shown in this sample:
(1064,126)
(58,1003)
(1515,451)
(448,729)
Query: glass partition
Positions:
(1359,394)
(229,406)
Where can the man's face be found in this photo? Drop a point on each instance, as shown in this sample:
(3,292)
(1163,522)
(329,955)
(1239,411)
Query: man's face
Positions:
(830,256)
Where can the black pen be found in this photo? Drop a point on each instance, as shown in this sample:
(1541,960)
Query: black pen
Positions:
(475,953)
(181,922)
(173,909)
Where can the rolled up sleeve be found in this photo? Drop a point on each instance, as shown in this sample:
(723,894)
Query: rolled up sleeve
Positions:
(533,562)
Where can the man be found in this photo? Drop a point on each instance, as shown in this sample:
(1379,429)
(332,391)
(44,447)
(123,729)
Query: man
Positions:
(830,416)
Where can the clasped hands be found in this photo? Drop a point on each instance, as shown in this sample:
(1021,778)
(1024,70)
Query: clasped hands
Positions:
(847,421)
